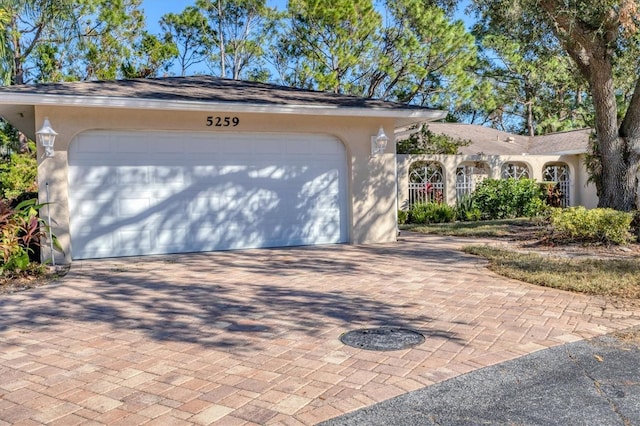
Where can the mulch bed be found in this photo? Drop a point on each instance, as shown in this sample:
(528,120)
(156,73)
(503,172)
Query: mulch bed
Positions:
(14,283)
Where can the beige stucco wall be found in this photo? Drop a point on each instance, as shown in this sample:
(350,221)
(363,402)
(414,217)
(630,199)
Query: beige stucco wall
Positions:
(585,190)
(371,181)
(581,192)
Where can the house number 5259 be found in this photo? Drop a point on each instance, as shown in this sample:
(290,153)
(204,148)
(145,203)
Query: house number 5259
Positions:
(222,121)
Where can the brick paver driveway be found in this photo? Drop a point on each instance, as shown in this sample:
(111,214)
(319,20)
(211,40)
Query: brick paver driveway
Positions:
(251,337)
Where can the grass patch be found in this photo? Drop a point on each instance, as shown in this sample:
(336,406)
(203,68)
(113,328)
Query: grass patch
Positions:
(612,277)
(486,228)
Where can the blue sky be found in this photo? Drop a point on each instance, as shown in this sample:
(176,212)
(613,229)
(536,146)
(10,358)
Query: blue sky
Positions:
(154,9)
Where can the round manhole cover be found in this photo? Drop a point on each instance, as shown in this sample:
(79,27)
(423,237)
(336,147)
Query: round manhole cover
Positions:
(382,338)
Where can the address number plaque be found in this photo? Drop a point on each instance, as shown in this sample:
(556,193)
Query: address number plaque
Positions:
(220,121)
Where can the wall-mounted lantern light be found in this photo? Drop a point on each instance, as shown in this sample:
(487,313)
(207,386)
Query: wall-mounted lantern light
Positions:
(47,137)
(378,142)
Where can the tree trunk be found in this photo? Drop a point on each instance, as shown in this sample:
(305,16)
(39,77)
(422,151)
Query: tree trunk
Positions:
(618,182)
(17,76)
(530,126)
(223,59)
(618,150)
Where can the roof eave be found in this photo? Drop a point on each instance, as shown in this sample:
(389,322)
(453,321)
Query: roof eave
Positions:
(402,115)
(568,152)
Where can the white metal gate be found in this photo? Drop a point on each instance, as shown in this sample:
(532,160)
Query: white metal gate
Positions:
(426,183)
(515,171)
(559,174)
(467,178)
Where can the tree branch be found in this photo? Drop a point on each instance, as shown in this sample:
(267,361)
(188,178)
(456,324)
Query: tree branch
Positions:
(630,126)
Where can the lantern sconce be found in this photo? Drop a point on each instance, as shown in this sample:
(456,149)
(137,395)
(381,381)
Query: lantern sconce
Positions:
(47,136)
(378,143)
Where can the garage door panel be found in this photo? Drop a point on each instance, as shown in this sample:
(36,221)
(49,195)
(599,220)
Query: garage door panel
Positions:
(171,240)
(201,192)
(141,146)
(93,175)
(135,240)
(135,175)
(168,175)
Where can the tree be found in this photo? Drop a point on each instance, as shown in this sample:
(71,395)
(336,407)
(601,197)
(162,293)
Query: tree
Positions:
(328,45)
(535,86)
(150,55)
(533,90)
(108,35)
(53,40)
(26,25)
(426,57)
(424,141)
(415,55)
(191,33)
(241,28)
(8,139)
(5,54)
(600,36)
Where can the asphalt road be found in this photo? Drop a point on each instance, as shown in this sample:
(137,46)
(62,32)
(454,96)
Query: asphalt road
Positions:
(593,382)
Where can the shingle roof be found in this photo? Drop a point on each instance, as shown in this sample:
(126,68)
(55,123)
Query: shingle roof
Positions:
(494,142)
(483,139)
(575,141)
(205,89)
(198,93)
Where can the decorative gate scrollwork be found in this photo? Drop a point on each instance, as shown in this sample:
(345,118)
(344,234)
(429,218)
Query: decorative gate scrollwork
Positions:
(426,183)
(515,171)
(558,174)
(468,176)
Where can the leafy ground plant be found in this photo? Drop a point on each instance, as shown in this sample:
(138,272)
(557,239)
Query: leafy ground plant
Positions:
(21,230)
(604,226)
(508,198)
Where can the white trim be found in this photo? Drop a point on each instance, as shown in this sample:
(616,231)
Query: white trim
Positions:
(571,152)
(163,104)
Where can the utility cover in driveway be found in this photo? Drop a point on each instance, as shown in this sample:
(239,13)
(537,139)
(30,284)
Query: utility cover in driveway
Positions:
(382,338)
(139,193)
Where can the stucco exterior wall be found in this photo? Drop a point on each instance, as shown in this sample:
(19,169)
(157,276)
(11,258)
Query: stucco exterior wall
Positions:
(581,192)
(371,181)
(586,190)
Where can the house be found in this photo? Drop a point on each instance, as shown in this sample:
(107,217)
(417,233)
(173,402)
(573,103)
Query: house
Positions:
(558,158)
(189,164)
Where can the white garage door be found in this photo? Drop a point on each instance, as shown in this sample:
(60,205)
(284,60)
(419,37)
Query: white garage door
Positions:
(138,193)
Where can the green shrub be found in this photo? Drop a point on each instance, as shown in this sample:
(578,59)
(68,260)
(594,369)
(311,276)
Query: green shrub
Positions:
(508,198)
(423,213)
(466,211)
(635,224)
(18,175)
(552,193)
(606,226)
(403,216)
(20,230)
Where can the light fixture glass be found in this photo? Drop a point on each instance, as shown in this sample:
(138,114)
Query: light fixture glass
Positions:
(47,137)
(379,142)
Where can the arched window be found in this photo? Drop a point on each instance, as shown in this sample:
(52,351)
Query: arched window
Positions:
(515,171)
(468,175)
(426,183)
(557,174)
